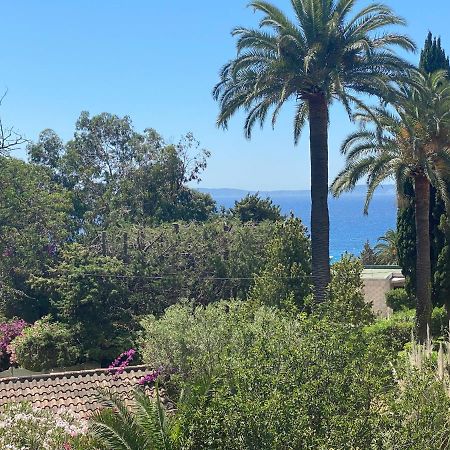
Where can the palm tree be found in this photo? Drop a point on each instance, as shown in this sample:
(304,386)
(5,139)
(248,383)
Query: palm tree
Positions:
(325,54)
(143,427)
(410,142)
(386,248)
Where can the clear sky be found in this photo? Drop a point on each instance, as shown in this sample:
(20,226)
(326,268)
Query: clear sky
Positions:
(157,62)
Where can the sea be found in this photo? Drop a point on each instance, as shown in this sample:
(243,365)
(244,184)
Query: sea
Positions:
(349,227)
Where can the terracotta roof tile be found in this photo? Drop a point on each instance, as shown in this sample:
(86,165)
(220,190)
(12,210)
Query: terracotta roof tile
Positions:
(74,390)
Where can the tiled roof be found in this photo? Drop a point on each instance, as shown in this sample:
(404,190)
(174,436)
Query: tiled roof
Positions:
(77,391)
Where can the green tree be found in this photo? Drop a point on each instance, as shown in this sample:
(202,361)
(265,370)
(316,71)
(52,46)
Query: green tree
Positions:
(285,280)
(409,143)
(368,256)
(253,208)
(117,175)
(35,221)
(90,294)
(325,54)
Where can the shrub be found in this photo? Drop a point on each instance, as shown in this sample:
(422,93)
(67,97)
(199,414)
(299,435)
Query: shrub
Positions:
(188,340)
(8,332)
(439,322)
(45,345)
(346,301)
(261,379)
(393,332)
(25,427)
(399,299)
(416,413)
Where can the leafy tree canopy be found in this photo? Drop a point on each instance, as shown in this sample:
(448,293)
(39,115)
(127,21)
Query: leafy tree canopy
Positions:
(253,208)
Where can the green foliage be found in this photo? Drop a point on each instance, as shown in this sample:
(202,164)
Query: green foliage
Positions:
(190,341)
(439,322)
(143,426)
(25,427)
(406,245)
(253,208)
(346,301)
(87,292)
(285,280)
(202,262)
(393,332)
(398,299)
(368,256)
(260,379)
(116,174)
(45,345)
(432,58)
(29,240)
(417,416)
(155,269)
(441,278)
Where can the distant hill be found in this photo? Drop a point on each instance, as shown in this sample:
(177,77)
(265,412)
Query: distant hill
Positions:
(388,189)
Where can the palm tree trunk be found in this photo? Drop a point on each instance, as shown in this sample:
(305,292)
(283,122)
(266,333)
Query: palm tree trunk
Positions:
(423,260)
(320,223)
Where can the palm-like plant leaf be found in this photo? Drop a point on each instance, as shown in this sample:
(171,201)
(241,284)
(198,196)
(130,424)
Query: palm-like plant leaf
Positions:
(140,427)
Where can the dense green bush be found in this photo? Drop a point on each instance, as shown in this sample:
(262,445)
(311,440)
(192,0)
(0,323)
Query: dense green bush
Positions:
(439,322)
(393,332)
(398,299)
(45,345)
(346,302)
(90,294)
(416,415)
(261,379)
(203,262)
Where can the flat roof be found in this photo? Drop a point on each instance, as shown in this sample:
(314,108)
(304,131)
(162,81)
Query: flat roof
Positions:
(382,273)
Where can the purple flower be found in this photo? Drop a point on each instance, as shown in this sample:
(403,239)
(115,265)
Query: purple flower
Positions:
(121,362)
(150,377)
(8,252)
(8,332)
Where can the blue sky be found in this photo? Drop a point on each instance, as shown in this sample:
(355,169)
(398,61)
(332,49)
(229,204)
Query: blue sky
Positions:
(157,62)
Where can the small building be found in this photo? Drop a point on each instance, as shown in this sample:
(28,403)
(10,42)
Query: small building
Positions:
(378,280)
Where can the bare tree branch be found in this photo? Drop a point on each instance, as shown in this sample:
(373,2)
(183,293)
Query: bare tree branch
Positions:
(10,139)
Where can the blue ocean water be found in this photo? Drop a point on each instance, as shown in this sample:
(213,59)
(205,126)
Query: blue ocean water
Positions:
(349,227)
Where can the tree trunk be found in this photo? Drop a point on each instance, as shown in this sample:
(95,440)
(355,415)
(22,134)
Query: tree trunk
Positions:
(423,260)
(320,223)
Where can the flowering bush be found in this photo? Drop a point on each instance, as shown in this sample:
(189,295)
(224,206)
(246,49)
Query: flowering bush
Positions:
(25,427)
(9,331)
(44,345)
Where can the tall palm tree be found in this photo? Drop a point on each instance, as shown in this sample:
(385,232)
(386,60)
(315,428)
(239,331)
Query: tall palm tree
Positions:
(386,248)
(325,53)
(409,142)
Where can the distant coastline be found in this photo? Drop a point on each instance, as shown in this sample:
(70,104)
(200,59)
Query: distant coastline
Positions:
(388,189)
(349,227)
